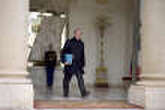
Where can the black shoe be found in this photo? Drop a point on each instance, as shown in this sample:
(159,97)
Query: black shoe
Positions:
(66,96)
(86,94)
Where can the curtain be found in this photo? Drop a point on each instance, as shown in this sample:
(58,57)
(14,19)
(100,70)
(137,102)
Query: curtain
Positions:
(50,33)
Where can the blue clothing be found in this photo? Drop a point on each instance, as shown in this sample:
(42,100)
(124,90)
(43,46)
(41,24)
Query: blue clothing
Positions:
(50,76)
(50,61)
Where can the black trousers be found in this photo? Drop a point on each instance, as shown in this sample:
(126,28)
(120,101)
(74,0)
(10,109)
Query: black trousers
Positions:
(80,81)
(50,75)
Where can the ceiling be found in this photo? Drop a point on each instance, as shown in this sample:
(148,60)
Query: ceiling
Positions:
(55,5)
(51,5)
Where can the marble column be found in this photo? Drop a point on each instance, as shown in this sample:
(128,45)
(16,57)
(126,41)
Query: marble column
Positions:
(16,90)
(150,91)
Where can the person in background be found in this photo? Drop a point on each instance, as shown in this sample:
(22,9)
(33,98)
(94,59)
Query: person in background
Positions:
(75,47)
(50,61)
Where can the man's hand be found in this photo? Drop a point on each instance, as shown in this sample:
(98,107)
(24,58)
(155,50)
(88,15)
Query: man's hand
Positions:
(66,63)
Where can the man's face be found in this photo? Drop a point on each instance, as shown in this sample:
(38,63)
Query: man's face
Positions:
(78,34)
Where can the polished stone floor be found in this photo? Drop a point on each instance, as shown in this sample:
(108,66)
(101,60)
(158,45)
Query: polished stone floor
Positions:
(97,94)
(113,93)
(41,92)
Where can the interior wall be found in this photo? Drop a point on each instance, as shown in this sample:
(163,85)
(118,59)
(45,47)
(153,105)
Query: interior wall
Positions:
(118,37)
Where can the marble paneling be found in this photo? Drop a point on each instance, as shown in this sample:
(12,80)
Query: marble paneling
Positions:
(16,94)
(150,97)
(136,95)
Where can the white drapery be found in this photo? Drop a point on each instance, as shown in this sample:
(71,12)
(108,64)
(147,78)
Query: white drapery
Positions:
(50,33)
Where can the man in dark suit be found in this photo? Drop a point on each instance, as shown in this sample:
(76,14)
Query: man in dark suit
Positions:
(75,47)
(50,61)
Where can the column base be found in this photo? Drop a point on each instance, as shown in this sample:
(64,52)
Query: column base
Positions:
(147,96)
(16,93)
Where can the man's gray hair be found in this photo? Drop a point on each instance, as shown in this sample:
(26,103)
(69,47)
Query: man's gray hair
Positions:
(76,29)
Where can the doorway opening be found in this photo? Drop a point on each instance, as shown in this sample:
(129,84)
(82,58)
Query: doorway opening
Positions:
(112,48)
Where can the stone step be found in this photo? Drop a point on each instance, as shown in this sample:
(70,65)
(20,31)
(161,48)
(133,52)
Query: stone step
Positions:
(84,104)
(90,109)
(76,109)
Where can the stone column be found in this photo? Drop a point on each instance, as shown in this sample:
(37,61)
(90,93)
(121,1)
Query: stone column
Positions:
(150,91)
(16,90)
